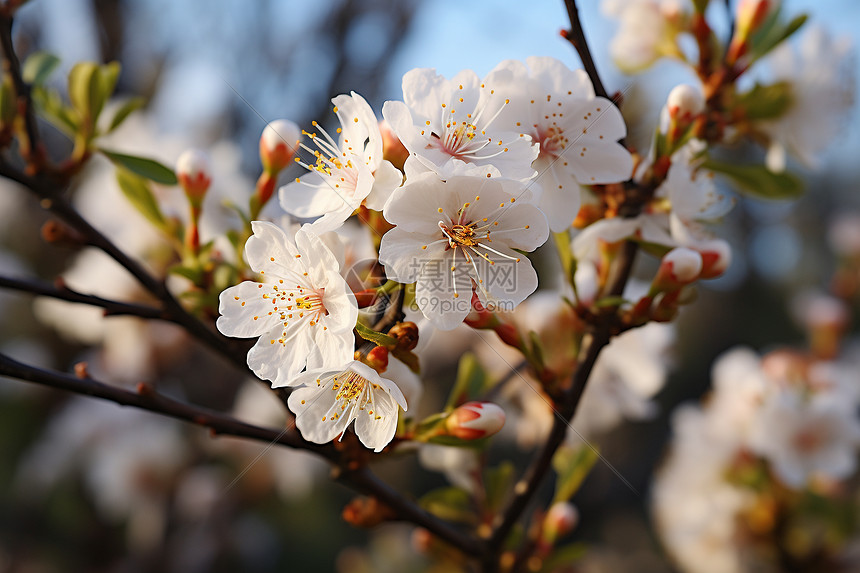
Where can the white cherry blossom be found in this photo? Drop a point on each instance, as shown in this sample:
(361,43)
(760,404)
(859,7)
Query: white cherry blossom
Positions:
(647,31)
(303,310)
(452,233)
(803,436)
(577,132)
(445,121)
(821,75)
(331,398)
(343,173)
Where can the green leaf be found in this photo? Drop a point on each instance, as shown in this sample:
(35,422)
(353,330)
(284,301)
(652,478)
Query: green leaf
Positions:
(565,556)
(147,168)
(766,101)
(377,338)
(451,504)
(137,191)
(757,181)
(124,111)
(497,483)
(773,34)
(610,301)
(38,67)
(192,274)
(472,381)
(84,88)
(50,106)
(572,466)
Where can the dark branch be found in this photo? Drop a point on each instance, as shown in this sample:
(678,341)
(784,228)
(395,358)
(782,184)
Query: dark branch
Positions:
(22,90)
(576,36)
(62,292)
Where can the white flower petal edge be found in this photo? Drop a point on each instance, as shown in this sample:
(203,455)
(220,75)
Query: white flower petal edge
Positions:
(443,120)
(331,398)
(458,232)
(577,133)
(303,310)
(343,173)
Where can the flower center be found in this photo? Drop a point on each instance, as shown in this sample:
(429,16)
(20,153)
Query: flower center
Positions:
(552,141)
(331,161)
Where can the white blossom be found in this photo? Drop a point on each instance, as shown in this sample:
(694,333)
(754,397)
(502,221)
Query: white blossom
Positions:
(343,173)
(820,73)
(331,398)
(451,233)
(577,133)
(303,311)
(442,122)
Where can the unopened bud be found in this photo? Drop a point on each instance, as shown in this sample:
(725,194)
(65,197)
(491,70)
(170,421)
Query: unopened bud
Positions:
(278,144)
(751,14)
(378,359)
(366,512)
(393,149)
(475,420)
(679,267)
(716,258)
(406,334)
(684,103)
(194,171)
(560,520)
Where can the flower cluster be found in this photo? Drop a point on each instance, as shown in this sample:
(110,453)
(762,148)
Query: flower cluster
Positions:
(777,432)
(492,164)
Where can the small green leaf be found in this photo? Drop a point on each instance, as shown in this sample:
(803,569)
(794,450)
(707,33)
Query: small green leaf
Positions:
(565,556)
(124,111)
(757,181)
(50,106)
(377,338)
(610,301)
(190,273)
(84,88)
(766,102)
(137,191)
(148,168)
(38,67)
(773,34)
(450,503)
(497,483)
(472,381)
(572,466)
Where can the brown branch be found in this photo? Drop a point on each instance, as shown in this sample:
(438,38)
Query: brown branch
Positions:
(59,291)
(146,398)
(12,65)
(576,36)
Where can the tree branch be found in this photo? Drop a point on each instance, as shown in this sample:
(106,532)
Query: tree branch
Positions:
(59,291)
(22,90)
(146,398)
(576,36)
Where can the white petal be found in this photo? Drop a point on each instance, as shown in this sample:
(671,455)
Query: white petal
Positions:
(386,179)
(376,424)
(269,250)
(238,305)
(277,362)
(443,297)
(403,253)
(311,404)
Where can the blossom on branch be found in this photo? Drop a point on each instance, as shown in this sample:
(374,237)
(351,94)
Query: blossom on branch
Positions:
(303,311)
(331,398)
(343,173)
(463,230)
(577,133)
(442,122)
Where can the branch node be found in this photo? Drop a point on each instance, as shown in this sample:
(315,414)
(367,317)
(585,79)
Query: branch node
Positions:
(81,370)
(146,389)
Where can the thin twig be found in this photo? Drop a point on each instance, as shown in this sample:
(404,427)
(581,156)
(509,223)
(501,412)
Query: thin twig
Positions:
(62,292)
(576,36)
(22,90)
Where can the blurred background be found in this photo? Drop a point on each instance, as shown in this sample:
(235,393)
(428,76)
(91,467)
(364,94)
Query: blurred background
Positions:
(89,486)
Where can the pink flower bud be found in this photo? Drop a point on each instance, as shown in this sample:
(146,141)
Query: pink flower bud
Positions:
(194,171)
(679,267)
(278,144)
(751,15)
(378,359)
(475,420)
(716,258)
(684,103)
(560,520)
